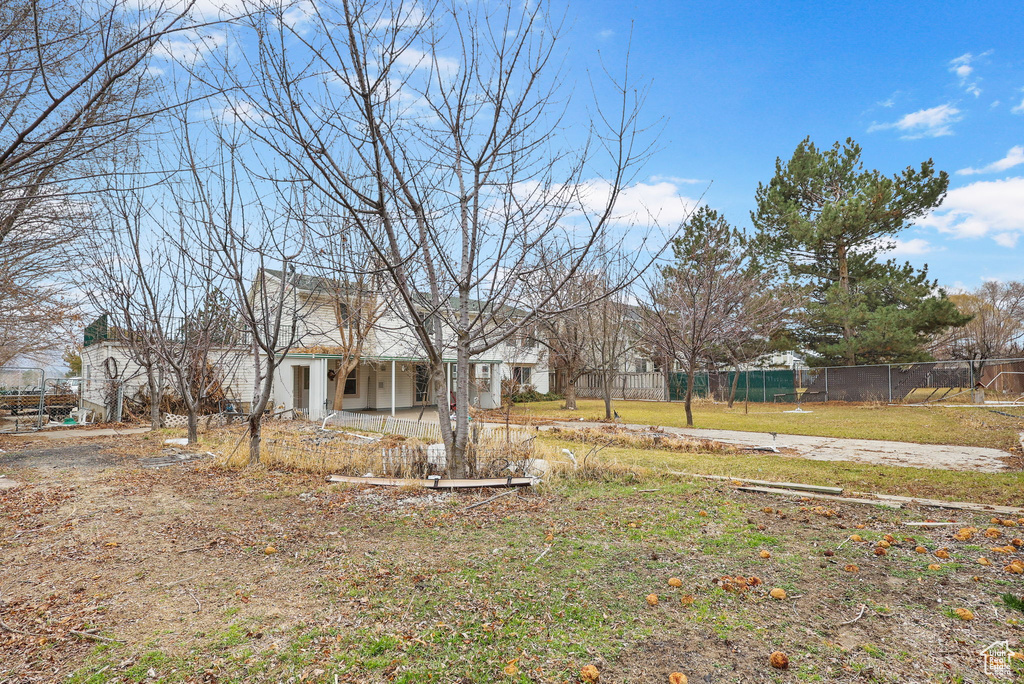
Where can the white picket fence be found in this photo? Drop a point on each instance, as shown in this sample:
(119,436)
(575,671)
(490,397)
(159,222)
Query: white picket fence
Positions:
(649,386)
(425,430)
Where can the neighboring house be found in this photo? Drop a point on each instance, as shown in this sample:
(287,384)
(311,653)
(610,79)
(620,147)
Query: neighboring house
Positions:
(392,372)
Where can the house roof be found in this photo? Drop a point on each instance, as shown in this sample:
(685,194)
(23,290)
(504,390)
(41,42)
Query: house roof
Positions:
(314,283)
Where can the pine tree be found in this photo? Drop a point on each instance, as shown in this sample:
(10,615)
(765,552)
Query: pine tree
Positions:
(825,220)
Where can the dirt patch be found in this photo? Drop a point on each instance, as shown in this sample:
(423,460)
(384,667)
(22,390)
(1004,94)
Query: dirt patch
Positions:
(49,456)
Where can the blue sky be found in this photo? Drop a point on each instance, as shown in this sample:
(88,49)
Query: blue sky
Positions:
(741,83)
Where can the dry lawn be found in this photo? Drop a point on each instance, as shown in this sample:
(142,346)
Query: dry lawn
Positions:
(923,425)
(201,574)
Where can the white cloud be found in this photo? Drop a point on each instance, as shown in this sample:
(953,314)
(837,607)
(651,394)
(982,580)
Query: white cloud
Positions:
(605,34)
(1013,158)
(411,58)
(1019,109)
(236,111)
(984,208)
(191,48)
(658,203)
(910,247)
(1008,240)
(926,123)
(675,179)
(961,67)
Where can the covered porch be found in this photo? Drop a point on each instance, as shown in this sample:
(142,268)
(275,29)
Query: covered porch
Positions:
(308,384)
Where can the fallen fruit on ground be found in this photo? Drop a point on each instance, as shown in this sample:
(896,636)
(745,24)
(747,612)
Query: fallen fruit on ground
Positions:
(511,670)
(851,568)
(686,599)
(884,544)
(879,551)
(777,593)
(964,614)
(856,538)
(934,566)
(652,599)
(677,678)
(920,549)
(269,550)
(675,582)
(984,561)
(942,553)
(590,674)
(993,533)
(778,660)
(765,554)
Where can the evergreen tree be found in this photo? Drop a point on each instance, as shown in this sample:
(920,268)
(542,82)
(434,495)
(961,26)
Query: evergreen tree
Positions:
(825,220)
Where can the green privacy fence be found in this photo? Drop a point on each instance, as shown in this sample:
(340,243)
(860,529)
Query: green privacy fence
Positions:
(753,385)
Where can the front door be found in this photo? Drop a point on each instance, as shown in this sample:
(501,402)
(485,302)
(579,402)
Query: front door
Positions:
(300,386)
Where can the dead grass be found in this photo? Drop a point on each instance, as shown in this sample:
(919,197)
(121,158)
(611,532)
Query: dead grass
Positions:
(923,425)
(206,574)
(304,447)
(989,488)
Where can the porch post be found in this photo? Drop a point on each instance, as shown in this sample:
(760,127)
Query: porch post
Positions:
(495,385)
(448,381)
(317,388)
(392,388)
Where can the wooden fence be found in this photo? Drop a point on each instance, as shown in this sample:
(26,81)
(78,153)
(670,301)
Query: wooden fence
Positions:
(425,430)
(641,386)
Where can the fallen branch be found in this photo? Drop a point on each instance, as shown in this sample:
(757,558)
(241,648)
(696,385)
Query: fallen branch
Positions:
(859,616)
(194,548)
(97,637)
(13,630)
(543,553)
(199,606)
(493,498)
(812,495)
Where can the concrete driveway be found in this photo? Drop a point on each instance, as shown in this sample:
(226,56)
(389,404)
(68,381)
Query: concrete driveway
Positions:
(879,452)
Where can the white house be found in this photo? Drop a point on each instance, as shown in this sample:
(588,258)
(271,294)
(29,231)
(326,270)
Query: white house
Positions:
(392,373)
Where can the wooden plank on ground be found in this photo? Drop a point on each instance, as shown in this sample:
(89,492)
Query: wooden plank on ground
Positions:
(954,505)
(784,485)
(435,484)
(814,495)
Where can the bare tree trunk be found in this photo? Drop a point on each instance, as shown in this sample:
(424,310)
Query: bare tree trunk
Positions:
(570,392)
(735,383)
(155,395)
(193,425)
(347,366)
(689,393)
(606,386)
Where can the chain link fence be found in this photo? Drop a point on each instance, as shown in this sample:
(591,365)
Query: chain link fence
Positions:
(999,381)
(29,400)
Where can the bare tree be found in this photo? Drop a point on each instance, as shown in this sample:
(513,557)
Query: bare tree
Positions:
(36,315)
(163,296)
(713,296)
(432,127)
(996,328)
(347,285)
(74,90)
(254,242)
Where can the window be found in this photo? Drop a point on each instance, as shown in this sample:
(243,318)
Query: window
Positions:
(422,383)
(352,383)
(521,375)
(483,371)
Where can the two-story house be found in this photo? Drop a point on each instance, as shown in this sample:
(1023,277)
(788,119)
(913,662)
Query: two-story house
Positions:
(392,372)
